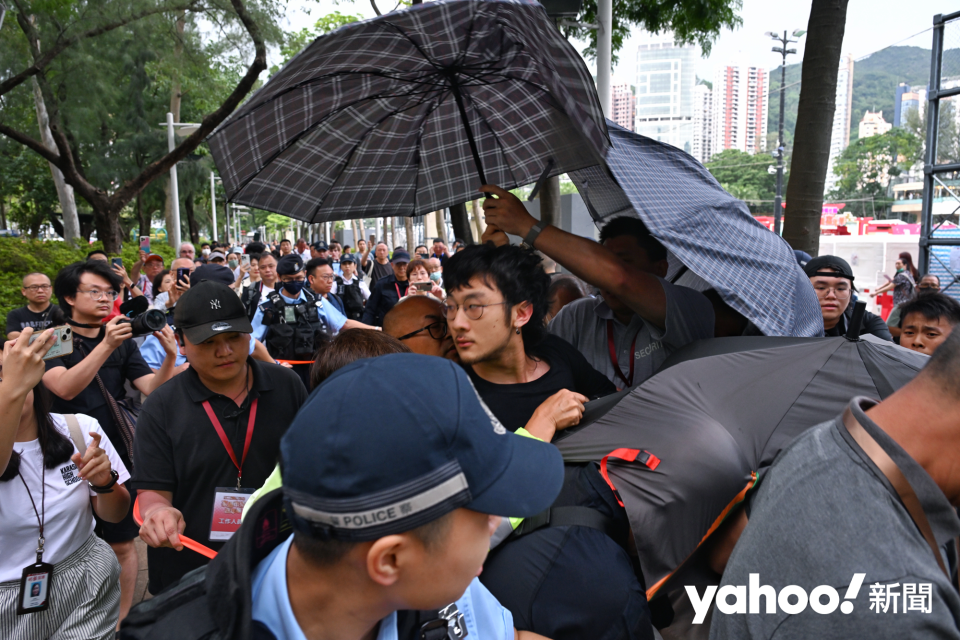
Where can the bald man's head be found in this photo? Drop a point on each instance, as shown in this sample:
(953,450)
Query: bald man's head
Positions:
(421,316)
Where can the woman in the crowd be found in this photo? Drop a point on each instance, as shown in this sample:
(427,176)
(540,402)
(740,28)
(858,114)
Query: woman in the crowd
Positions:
(163,282)
(418,272)
(903,282)
(52,564)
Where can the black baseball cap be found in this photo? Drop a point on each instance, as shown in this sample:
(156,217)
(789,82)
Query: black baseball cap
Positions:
(289,264)
(212,272)
(320,246)
(348,257)
(423,452)
(828,266)
(400,256)
(210,308)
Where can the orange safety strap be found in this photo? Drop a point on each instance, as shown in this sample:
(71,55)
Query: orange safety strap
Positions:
(295,361)
(713,527)
(189,543)
(630,455)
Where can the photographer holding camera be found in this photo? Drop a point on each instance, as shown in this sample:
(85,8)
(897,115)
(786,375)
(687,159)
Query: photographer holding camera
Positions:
(91,381)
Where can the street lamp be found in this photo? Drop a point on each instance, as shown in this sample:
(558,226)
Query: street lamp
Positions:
(183,129)
(784,40)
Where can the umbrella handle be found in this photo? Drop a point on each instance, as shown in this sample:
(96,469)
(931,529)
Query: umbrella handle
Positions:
(187,542)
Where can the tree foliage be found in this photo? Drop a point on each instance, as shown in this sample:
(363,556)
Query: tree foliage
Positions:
(865,168)
(294,43)
(746,177)
(106,70)
(691,21)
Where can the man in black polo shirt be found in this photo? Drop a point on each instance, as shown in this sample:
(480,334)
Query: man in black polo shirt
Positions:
(211,436)
(39,313)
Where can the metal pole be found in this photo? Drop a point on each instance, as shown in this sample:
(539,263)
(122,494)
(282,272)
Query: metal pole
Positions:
(605,55)
(213,205)
(174,191)
(933,120)
(778,199)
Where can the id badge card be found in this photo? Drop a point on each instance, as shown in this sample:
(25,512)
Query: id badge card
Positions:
(35,588)
(228,505)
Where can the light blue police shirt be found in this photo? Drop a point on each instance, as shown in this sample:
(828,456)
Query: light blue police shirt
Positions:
(486,619)
(335,319)
(152,351)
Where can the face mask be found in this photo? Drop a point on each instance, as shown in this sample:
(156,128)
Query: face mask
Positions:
(435,276)
(900,270)
(294,286)
(233,264)
(205,252)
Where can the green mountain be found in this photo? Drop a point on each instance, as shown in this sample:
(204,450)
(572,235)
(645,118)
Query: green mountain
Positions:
(875,81)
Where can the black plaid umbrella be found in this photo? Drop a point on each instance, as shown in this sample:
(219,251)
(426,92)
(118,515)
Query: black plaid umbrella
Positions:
(411,112)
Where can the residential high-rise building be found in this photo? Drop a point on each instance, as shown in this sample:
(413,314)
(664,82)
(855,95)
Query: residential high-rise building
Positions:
(666,75)
(702,123)
(840,137)
(740,109)
(873,124)
(624,106)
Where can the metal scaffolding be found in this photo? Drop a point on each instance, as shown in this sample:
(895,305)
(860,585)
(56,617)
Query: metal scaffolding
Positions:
(931,170)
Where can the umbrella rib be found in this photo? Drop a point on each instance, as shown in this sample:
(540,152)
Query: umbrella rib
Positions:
(316,209)
(423,124)
(313,126)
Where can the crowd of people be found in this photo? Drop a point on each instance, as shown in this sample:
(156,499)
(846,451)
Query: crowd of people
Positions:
(352,434)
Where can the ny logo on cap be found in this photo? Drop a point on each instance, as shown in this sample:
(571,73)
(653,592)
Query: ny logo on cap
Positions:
(214,304)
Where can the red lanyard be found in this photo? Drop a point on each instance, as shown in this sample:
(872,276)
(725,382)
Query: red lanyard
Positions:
(226,442)
(397,287)
(613,354)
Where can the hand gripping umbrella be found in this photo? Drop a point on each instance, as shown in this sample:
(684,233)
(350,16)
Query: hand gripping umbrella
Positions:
(682,448)
(705,228)
(411,112)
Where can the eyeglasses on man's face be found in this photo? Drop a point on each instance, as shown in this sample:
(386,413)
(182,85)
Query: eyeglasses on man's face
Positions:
(437,331)
(96,294)
(473,311)
(39,287)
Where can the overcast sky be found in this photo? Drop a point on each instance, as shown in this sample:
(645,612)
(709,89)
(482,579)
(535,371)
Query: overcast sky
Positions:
(871,25)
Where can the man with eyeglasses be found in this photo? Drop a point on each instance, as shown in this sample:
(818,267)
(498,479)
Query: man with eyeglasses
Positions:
(187,250)
(39,313)
(832,280)
(418,322)
(92,379)
(386,291)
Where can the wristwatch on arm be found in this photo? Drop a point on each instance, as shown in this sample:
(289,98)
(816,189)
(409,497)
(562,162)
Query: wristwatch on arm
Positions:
(531,236)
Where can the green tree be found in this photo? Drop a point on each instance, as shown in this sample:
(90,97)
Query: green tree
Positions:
(746,177)
(294,43)
(76,51)
(866,166)
(815,109)
(690,21)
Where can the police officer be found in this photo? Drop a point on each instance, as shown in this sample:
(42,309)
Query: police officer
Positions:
(292,321)
(351,288)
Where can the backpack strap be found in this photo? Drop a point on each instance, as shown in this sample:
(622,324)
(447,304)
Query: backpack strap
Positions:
(573,517)
(75,433)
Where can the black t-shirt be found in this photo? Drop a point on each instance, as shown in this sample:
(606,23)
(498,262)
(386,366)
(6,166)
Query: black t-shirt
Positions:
(178,450)
(125,363)
(514,404)
(379,271)
(20,319)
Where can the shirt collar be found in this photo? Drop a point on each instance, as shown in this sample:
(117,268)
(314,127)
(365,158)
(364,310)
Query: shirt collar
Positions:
(199,392)
(604,312)
(941,514)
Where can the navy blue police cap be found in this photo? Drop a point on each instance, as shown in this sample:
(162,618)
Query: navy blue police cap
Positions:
(423,452)
(289,265)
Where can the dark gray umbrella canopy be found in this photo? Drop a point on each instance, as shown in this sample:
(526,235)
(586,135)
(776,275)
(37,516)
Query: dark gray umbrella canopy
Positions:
(370,119)
(719,414)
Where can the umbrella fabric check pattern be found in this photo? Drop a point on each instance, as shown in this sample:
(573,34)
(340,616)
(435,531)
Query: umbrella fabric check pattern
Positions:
(706,228)
(403,114)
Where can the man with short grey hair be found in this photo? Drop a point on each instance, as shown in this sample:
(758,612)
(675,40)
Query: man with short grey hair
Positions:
(869,497)
(187,251)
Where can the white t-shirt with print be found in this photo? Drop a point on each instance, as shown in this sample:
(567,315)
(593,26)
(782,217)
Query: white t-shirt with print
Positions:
(68,514)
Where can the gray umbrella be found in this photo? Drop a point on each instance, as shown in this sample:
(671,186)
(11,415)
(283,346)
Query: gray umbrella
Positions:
(411,112)
(715,418)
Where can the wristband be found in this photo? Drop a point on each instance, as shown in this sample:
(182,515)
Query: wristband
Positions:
(531,236)
(107,488)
